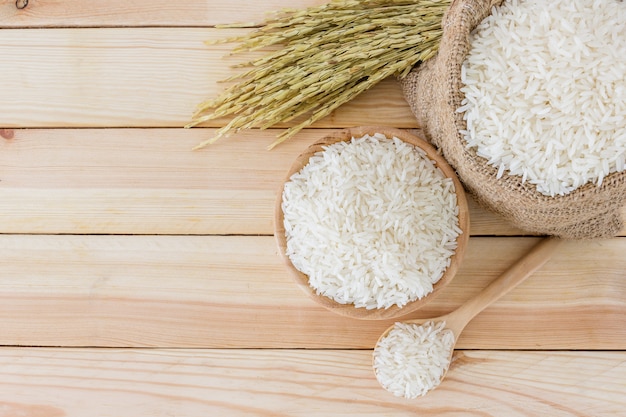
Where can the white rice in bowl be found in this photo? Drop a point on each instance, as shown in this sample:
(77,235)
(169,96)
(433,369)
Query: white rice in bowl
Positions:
(412,359)
(371,222)
(545,91)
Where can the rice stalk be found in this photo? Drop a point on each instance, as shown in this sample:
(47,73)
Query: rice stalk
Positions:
(329,55)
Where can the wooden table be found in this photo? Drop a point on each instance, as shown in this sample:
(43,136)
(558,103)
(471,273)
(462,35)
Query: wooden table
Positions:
(140,278)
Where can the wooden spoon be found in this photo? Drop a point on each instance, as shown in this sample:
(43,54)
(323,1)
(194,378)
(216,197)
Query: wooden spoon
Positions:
(459,318)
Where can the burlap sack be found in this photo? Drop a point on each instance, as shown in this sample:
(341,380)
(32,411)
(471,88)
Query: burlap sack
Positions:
(432,90)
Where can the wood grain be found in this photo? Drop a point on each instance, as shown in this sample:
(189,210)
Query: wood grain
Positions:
(148,181)
(234,292)
(199,382)
(138,13)
(146,77)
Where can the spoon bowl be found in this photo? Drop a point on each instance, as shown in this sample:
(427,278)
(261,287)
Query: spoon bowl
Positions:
(451,325)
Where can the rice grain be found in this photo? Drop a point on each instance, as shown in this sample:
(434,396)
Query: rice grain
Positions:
(412,359)
(371,222)
(545,91)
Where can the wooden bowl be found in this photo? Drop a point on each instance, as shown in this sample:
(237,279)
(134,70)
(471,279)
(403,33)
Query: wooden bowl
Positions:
(349,309)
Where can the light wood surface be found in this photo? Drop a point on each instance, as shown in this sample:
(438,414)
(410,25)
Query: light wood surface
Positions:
(148,276)
(138,77)
(140,13)
(207,382)
(146,181)
(234,291)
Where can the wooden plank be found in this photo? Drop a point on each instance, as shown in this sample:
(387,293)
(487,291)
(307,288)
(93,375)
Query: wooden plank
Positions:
(148,77)
(148,181)
(233,291)
(76,382)
(104,13)
(132,181)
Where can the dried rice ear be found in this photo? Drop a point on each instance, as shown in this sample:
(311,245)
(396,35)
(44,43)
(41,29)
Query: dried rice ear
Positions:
(433,92)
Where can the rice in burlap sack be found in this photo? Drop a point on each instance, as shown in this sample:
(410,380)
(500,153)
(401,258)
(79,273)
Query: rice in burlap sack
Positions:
(433,91)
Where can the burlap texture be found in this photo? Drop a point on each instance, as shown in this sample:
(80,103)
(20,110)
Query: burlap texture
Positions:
(433,92)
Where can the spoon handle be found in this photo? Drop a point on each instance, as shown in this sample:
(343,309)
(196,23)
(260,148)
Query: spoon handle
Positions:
(512,277)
